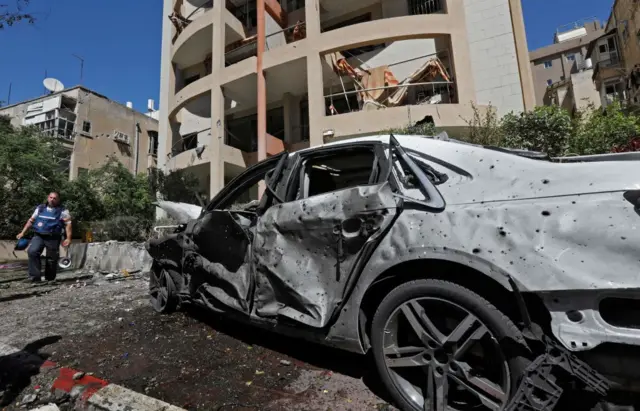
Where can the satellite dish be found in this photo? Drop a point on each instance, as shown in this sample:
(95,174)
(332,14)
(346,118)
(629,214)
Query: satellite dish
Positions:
(53,85)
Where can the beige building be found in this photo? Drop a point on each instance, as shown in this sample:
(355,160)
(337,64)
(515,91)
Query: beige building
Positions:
(332,70)
(616,55)
(92,128)
(562,72)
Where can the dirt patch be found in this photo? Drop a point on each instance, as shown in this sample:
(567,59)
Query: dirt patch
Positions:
(191,359)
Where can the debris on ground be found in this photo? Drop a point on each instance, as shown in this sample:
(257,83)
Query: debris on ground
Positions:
(190,359)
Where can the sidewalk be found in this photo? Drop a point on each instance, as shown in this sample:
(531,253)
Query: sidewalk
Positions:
(66,387)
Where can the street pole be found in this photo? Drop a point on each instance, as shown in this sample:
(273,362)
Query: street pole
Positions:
(262,94)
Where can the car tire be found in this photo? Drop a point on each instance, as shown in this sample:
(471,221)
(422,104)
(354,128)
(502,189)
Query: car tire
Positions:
(438,362)
(162,289)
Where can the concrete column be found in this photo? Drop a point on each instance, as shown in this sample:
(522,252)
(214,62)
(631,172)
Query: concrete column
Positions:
(461,55)
(315,91)
(216,142)
(522,51)
(167,87)
(296,132)
(312,18)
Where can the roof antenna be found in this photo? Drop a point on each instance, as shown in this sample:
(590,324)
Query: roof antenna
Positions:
(81,66)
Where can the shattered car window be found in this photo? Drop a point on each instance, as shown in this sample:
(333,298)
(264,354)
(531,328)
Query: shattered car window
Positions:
(349,168)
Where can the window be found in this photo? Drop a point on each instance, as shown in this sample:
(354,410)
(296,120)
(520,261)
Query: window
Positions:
(549,82)
(338,170)
(548,64)
(82,171)
(244,187)
(153,142)
(293,5)
(86,127)
(189,141)
(247,14)
(571,57)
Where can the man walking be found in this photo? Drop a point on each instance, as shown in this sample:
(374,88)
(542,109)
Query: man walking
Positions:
(48,220)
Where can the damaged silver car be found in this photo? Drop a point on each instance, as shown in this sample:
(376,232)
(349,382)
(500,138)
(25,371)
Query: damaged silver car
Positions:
(477,278)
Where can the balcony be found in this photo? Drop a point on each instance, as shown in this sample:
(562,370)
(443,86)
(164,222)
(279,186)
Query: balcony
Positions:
(248,47)
(378,83)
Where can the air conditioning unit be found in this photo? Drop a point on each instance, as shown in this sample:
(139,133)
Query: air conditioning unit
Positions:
(121,137)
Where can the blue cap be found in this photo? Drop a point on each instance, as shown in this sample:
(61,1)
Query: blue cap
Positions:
(22,244)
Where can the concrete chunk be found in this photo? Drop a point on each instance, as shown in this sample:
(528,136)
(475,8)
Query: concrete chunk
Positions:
(116,398)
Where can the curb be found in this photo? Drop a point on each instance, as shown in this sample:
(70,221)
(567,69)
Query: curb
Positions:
(89,393)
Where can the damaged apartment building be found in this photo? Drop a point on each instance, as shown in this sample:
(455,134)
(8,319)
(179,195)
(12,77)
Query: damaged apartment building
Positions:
(333,70)
(92,128)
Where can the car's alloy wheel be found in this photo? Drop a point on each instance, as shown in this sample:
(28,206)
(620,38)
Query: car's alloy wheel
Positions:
(162,291)
(437,347)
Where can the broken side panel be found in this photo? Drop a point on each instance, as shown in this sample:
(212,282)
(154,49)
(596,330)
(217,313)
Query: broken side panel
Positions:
(219,264)
(304,250)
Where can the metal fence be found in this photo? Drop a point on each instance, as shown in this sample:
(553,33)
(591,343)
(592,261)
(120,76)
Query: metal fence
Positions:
(426,6)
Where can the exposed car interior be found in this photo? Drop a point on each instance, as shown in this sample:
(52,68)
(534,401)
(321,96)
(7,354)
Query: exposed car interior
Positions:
(337,171)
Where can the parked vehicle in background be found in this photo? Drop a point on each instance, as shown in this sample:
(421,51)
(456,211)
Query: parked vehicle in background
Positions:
(475,276)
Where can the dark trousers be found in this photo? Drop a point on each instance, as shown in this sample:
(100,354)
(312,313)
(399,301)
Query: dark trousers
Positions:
(39,243)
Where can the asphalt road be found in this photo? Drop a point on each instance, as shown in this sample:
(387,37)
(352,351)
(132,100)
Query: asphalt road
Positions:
(190,359)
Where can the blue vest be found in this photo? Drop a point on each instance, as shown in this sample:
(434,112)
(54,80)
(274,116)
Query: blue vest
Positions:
(49,221)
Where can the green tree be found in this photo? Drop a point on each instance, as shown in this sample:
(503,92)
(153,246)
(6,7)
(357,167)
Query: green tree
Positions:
(484,128)
(11,15)
(600,131)
(179,185)
(29,170)
(547,129)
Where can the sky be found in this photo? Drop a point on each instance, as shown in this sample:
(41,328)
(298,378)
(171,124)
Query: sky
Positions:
(120,42)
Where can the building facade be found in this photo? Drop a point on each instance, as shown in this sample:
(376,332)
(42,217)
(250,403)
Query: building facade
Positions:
(562,72)
(616,55)
(333,69)
(92,129)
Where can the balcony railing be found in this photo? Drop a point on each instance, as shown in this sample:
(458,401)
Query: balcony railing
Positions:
(431,83)
(244,49)
(425,6)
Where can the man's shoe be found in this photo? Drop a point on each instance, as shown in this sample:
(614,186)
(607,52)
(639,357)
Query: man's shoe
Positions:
(31,280)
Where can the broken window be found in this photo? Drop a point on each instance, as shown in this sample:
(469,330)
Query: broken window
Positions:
(86,127)
(189,141)
(337,171)
(153,142)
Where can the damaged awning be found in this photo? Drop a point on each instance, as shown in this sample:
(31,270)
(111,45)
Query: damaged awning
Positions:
(378,87)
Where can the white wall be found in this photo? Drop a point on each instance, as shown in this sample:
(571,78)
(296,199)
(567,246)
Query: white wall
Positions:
(271,26)
(196,115)
(494,61)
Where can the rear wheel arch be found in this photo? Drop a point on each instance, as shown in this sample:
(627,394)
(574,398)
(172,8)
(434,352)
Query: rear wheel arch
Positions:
(477,281)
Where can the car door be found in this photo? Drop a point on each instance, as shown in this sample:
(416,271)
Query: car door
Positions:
(308,251)
(217,252)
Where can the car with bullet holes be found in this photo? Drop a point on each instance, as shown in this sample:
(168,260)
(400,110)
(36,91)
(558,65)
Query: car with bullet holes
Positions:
(436,256)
